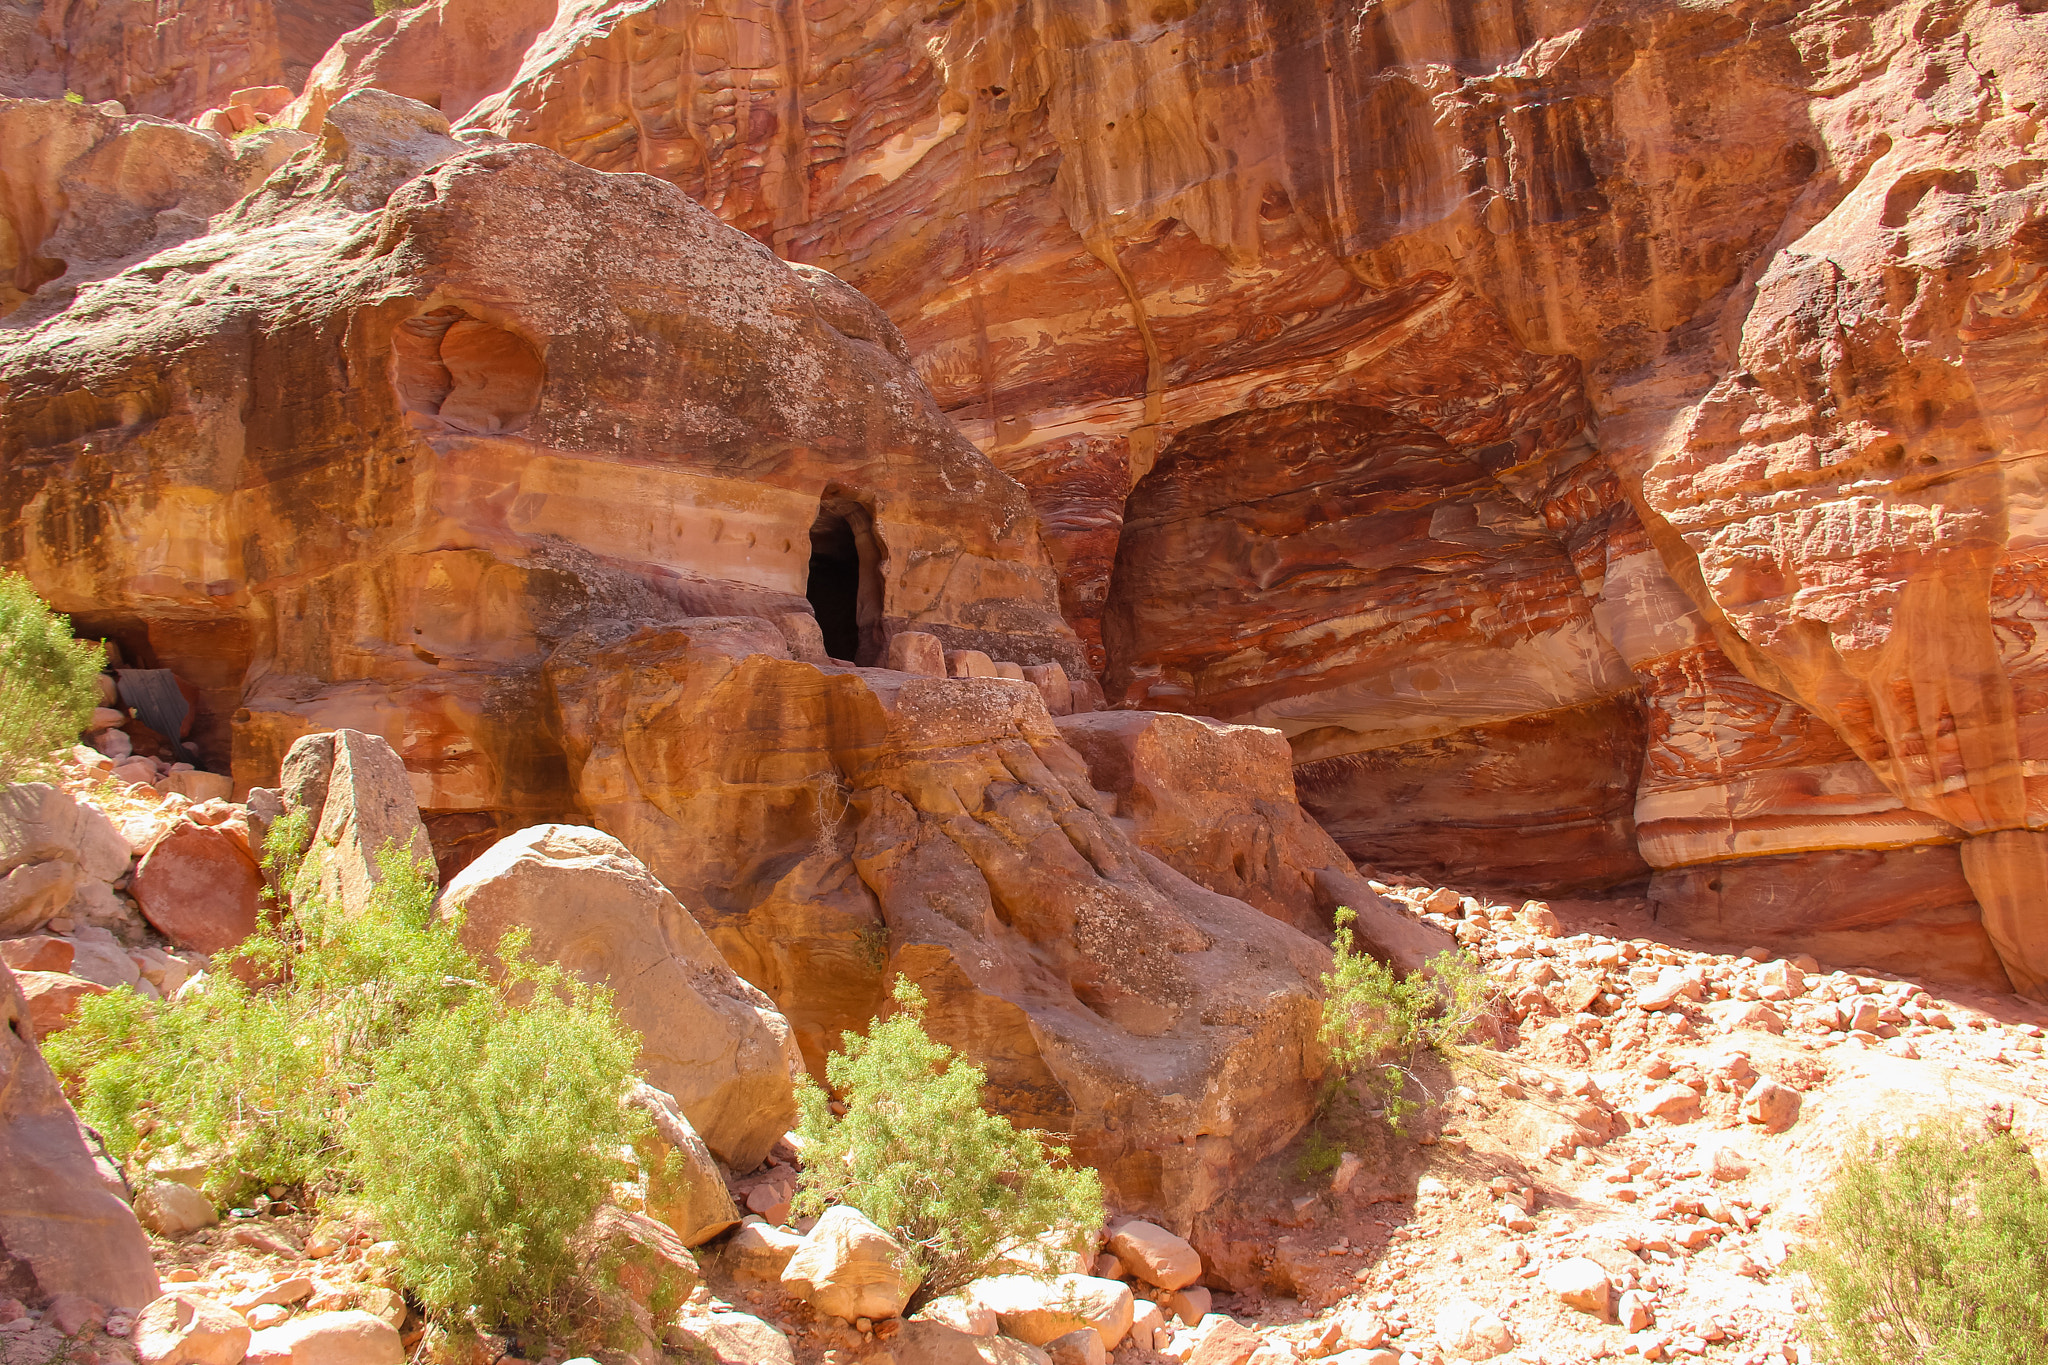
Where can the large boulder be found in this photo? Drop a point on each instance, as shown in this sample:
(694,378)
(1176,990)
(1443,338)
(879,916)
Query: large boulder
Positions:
(349,1337)
(61,1230)
(183,1328)
(707,1038)
(728,1338)
(1039,1310)
(926,1342)
(848,1268)
(51,999)
(200,885)
(685,1188)
(57,854)
(359,801)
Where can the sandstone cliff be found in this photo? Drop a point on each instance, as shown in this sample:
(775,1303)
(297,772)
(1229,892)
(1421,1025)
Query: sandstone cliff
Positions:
(1669,372)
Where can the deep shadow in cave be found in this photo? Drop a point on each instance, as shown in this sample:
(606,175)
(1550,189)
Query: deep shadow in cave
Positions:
(845,582)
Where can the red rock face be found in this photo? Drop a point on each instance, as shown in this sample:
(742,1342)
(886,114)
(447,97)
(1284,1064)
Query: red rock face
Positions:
(200,886)
(1349,576)
(1772,267)
(1739,303)
(171,58)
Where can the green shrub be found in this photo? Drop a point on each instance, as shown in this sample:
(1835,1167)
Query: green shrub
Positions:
(257,1077)
(47,692)
(371,1066)
(1933,1250)
(917,1153)
(73,97)
(380,8)
(1378,1025)
(489,1137)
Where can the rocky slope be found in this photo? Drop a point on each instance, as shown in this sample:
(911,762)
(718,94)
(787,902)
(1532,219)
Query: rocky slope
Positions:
(1624,1174)
(1720,323)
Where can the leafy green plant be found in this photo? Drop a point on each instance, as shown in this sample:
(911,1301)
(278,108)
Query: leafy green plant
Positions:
(364,1058)
(1378,1025)
(489,1138)
(47,692)
(919,1155)
(257,1076)
(1932,1249)
(73,97)
(380,8)
(1318,1156)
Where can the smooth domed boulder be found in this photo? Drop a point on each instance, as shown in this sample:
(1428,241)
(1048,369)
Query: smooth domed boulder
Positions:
(848,1268)
(708,1038)
(61,1230)
(350,1337)
(200,885)
(183,1328)
(1041,1310)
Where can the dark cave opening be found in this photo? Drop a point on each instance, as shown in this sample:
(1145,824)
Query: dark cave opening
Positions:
(844,585)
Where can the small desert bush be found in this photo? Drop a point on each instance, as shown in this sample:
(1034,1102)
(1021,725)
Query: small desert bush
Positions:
(488,1139)
(372,1065)
(918,1154)
(1932,1249)
(1378,1025)
(47,692)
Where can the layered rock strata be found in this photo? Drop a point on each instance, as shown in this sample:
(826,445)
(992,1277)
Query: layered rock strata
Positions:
(1768,276)
(168,58)
(366,464)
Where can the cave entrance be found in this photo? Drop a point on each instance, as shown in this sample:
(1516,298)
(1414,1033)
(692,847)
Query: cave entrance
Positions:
(844,586)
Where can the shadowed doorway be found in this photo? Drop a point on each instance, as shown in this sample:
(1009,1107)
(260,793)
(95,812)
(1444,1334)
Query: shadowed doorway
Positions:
(845,582)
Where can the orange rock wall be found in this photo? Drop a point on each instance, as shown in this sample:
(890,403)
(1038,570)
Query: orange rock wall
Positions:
(1732,312)
(170,58)
(346,464)
(1773,268)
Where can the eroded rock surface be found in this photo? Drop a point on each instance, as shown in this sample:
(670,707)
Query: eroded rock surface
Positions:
(399,554)
(834,827)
